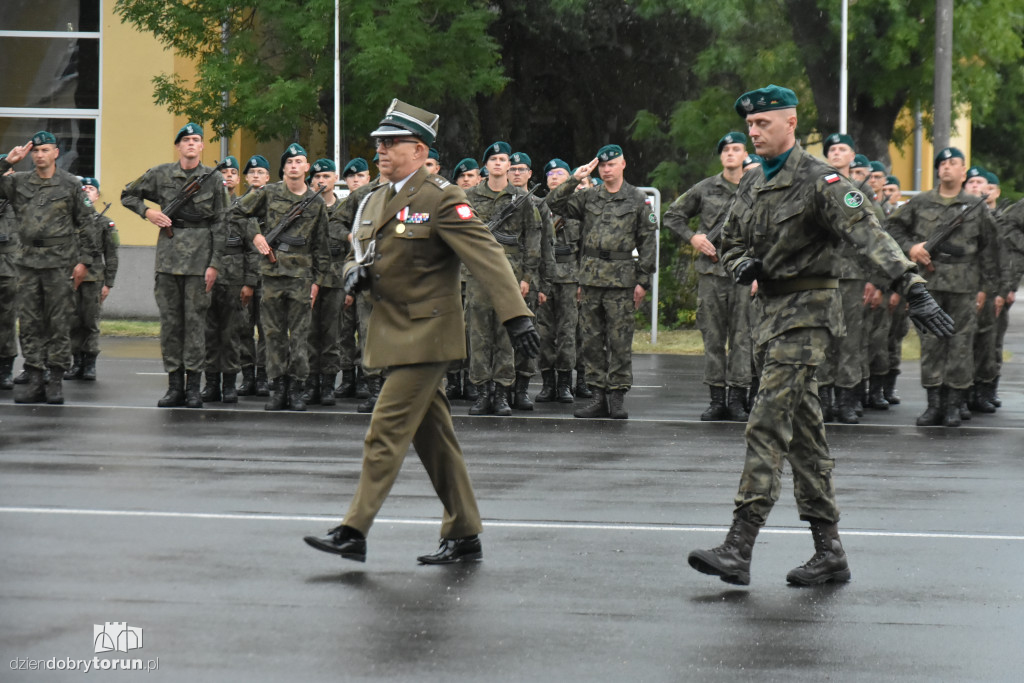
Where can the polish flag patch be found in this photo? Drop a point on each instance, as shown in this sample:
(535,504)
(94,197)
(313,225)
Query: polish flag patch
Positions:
(832,178)
(465,211)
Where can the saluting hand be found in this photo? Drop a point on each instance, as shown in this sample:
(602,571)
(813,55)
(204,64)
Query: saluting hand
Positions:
(585,171)
(19,153)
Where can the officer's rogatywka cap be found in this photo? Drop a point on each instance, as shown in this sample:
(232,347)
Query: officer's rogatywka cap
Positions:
(402,118)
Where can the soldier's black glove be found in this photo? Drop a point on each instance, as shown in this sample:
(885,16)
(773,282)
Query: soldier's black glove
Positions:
(356,280)
(525,339)
(747,272)
(926,314)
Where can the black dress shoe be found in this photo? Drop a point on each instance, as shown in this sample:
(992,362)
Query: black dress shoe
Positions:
(342,540)
(455,550)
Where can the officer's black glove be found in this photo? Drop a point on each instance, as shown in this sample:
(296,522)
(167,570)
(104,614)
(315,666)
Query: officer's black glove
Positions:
(525,339)
(747,272)
(926,314)
(356,280)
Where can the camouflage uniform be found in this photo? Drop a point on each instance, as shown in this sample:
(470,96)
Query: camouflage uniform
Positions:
(1011,218)
(613,225)
(53,218)
(199,237)
(252,339)
(8,291)
(792,222)
(325,329)
(85,326)
(557,319)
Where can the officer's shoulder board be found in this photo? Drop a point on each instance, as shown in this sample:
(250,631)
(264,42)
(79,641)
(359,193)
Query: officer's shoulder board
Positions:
(437,180)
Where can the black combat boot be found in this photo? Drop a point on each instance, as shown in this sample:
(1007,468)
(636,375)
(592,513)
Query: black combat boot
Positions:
(616,405)
(193,394)
(954,399)
(228,392)
(248,385)
(482,405)
(75,371)
(889,389)
(563,386)
(845,411)
(935,412)
(737,404)
(470,392)
(211,392)
(499,399)
(731,560)
(89,367)
(22,378)
(373,385)
(547,387)
(876,392)
(453,386)
(327,388)
(857,399)
(34,390)
(965,412)
(311,390)
(347,387)
(598,406)
(716,410)
(278,394)
(829,561)
(175,395)
(262,383)
(521,394)
(995,393)
(983,394)
(7,373)
(582,390)
(362,385)
(54,386)
(296,395)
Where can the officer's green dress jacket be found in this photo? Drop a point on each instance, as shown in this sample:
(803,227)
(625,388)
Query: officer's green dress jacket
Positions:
(415,288)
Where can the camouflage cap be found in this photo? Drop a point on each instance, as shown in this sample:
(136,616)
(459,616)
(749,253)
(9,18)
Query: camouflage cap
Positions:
(463,166)
(293,150)
(188,129)
(837,139)
(521,158)
(860,161)
(256,161)
(88,180)
(765,99)
(947,154)
(498,147)
(231,162)
(609,152)
(556,163)
(357,165)
(404,119)
(733,138)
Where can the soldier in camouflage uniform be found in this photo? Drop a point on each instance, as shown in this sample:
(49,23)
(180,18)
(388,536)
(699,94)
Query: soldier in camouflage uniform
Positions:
(616,219)
(189,249)
(292,271)
(53,216)
(252,342)
(356,174)
(8,290)
(226,317)
(492,363)
(1010,217)
(959,273)
(723,307)
(782,233)
(878,309)
(466,174)
(558,317)
(95,287)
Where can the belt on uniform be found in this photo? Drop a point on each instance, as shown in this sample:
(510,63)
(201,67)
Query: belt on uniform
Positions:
(564,258)
(606,255)
(234,250)
(286,242)
(797,284)
(179,223)
(50,241)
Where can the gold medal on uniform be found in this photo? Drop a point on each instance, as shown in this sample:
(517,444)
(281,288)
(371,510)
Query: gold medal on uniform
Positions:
(400,228)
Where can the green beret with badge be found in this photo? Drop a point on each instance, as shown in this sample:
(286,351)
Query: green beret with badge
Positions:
(403,119)
(257,161)
(837,139)
(521,159)
(975,172)
(609,152)
(463,166)
(733,138)
(434,154)
(357,165)
(992,178)
(556,163)
(753,159)
(293,150)
(88,180)
(892,180)
(43,137)
(947,154)
(231,162)
(860,161)
(188,129)
(769,98)
(877,167)
(321,166)
(498,147)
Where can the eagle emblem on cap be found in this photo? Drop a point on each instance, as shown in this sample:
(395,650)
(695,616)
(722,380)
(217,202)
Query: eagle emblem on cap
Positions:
(728,139)
(946,154)
(746,104)
(189,128)
(497,147)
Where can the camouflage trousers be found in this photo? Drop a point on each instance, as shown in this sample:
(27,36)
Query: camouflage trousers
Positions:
(606,315)
(490,349)
(950,361)
(45,307)
(899,326)
(252,341)
(348,326)
(985,367)
(325,331)
(85,323)
(844,363)
(225,325)
(182,301)
(556,322)
(526,366)
(785,424)
(364,307)
(876,341)
(286,317)
(1002,322)
(8,317)
(723,318)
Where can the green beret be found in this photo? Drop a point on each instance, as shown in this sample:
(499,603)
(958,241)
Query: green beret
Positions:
(188,129)
(463,166)
(3,156)
(521,158)
(556,163)
(434,154)
(993,179)
(765,99)
(376,157)
(404,119)
(231,162)
(484,172)
(357,165)
(837,139)
(322,166)
(44,137)
(892,180)
(877,167)
(256,161)
(733,138)
(87,180)
(975,172)
(753,159)
(948,153)
(609,152)
(496,148)
(860,161)
(293,150)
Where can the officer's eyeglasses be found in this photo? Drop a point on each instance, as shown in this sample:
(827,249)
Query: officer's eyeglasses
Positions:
(388,143)
(519,169)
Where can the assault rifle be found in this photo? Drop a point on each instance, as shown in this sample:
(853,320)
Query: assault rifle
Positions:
(186,193)
(939,237)
(715,233)
(506,213)
(276,237)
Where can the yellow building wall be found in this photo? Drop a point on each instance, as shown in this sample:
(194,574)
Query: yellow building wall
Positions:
(903,158)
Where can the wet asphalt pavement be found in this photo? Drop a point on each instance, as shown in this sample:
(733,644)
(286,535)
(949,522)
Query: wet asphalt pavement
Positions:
(188,525)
